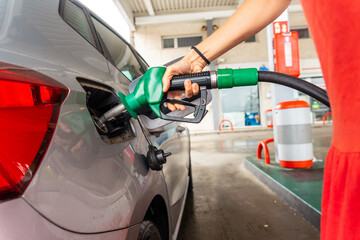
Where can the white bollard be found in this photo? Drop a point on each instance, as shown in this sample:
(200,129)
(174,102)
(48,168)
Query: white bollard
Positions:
(295,149)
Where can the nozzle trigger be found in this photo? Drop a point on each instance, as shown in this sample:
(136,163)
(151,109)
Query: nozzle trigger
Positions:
(199,112)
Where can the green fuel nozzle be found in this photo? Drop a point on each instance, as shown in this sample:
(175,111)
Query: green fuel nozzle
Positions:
(149,92)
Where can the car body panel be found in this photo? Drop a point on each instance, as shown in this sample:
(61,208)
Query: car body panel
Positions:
(18,220)
(175,169)
(84,187)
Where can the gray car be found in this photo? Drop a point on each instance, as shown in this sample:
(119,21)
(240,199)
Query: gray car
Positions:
(62,177)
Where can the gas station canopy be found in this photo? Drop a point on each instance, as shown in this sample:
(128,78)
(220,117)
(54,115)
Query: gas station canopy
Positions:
(143,12)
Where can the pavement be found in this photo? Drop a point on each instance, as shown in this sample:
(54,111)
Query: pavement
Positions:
(228,202)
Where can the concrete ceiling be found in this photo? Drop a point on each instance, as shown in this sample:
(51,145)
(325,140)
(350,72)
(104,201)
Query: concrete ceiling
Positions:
(144,12)
(160,7)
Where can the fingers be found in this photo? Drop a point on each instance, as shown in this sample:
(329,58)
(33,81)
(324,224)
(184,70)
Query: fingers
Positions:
(166,78)
(191,89)
(195,89)
(180,107)
(170,106)
(181,67)
(175,106)
(188,89)
(177,95)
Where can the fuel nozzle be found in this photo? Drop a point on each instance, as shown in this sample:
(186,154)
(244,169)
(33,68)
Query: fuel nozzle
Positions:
(149,92)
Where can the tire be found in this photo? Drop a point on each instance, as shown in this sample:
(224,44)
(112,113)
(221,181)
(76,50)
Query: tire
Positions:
(149,231)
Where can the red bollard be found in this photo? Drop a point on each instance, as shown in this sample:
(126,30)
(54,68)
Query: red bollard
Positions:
(263,145)
(225,120)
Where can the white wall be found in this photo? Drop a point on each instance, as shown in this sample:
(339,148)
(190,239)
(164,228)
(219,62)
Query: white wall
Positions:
(148,41)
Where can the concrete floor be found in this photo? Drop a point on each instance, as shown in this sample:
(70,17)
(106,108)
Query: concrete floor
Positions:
(228,202)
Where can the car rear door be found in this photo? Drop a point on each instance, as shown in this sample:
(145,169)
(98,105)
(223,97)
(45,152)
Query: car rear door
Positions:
(88,182)
(176,168)
(125,61)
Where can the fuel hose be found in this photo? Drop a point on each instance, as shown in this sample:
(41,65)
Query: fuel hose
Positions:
(228,78)
(295,83)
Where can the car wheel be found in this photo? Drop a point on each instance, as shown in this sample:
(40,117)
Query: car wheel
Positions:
(149,231)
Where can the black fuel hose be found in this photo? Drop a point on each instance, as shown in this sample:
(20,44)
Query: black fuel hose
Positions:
(295,83)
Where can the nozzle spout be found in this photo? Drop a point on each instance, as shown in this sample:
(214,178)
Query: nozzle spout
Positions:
(111,114)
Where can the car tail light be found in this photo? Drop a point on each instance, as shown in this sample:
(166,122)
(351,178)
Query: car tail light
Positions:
(29,109)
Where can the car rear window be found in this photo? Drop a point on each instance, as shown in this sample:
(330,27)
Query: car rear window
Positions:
(76,18)
(121,54)
(3,8)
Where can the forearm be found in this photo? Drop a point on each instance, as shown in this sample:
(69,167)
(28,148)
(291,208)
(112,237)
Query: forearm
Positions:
(248,19)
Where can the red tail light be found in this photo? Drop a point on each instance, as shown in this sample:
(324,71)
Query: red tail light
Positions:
(29,108)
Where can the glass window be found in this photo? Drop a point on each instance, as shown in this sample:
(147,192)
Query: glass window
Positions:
(168,42)
(76,18)
(142,60)
(241,106)
(177,42)
(120,53)
(302,32)
(189,41)
(318,109)
(252,39)
(3,8)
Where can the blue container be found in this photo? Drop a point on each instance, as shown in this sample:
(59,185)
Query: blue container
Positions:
(252,119)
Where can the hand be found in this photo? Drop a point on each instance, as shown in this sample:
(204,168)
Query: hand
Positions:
(184,66)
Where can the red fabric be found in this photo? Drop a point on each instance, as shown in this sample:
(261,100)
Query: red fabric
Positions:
(341,196)
(335,28)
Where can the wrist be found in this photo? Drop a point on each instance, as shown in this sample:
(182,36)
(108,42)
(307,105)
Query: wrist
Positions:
(195,59)
(200,54)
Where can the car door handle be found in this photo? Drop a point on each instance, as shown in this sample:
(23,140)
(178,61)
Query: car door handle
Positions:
(180,129)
